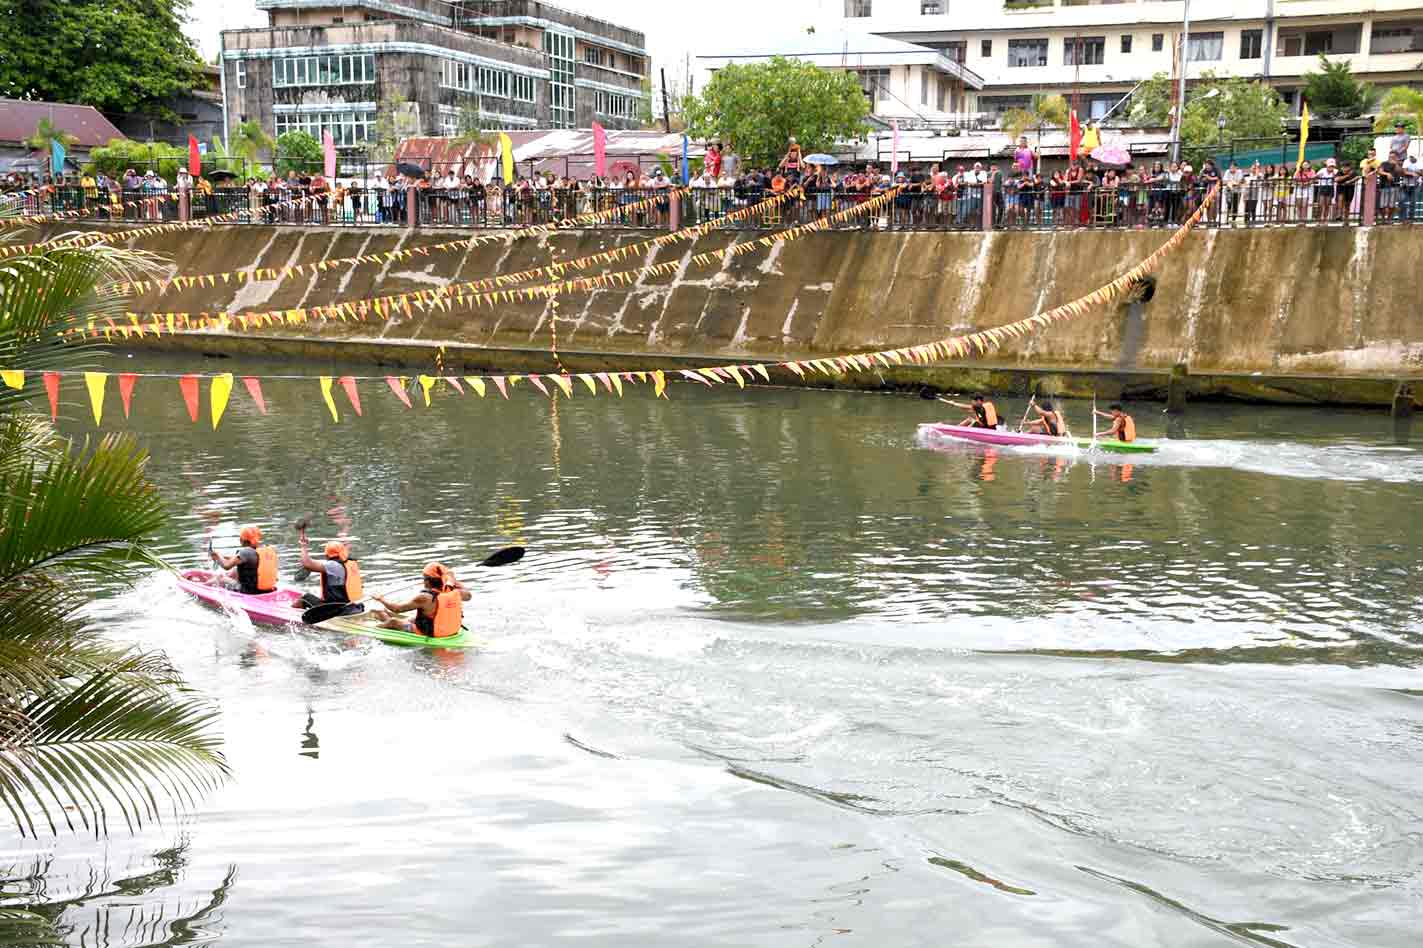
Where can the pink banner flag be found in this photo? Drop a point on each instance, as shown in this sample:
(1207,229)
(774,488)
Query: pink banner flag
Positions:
(398,387)
(51,387)
(499,384)
(126,382)
(894,149)
(254,388)
(600,151)
(349,384)
(328,148)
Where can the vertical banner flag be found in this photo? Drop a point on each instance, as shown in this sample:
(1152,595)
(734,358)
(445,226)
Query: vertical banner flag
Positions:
(600,151)
(195,157)
(1303,135)
(894,148)
(1074,136)
(95,382)
(218,395)
(51,387)
(328,151)
(506,154)
(56,156)
(686,165)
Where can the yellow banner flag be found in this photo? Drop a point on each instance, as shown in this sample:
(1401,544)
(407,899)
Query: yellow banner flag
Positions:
(427,383)
(15,378)
(326,394)
(589,381)
(96,381)
(1303,135)
(218,395)
(659,383)
(506,153)
(476,383)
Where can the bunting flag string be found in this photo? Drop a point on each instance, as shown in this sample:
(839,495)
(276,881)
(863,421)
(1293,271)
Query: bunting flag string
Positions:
(153,203)
(963,347)
(465,294)
(95,238)
(135,287)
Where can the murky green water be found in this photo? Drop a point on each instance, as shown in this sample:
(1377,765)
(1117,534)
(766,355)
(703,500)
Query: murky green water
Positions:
(776,672)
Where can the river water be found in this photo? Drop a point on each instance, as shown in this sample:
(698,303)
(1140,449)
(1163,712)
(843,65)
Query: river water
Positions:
(776,671)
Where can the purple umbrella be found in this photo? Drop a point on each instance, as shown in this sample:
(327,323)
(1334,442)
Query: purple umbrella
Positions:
(1110,155)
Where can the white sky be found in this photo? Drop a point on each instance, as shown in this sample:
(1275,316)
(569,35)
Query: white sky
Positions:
(673,30)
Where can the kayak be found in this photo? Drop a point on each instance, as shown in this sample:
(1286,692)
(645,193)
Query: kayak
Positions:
(1027,439)
(280,608)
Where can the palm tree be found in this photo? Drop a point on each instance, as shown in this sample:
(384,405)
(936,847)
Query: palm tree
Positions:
(46,133)
(89,731)
(250,141)
(1400,103)
(1046,110)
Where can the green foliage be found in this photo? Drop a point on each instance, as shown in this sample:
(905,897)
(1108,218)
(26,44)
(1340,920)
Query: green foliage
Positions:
(393,123)
(1250,110)
(1047,111)
(1151,103)
(119,57)
(88,730)
(121,154)
(250,141)
(469,126)
(1356,148)
(757,108)
(1400,103)
(1333,92)
(45,134)
(298,151)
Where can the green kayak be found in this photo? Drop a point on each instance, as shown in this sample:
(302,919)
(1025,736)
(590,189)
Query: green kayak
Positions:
(364,624)
(1117,447)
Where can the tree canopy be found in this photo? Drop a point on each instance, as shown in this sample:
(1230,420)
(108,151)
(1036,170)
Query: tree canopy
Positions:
(298,151)
(756,109)
(1047,111)
(117,57)
(1250,110)
(1333,92)
(1400,104)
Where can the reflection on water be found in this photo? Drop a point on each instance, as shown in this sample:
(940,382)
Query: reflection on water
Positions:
(776,672)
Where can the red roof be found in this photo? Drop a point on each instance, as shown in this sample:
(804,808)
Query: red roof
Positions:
(18,119)
(561,151)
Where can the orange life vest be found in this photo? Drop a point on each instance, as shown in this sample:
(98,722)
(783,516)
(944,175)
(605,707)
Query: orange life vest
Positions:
(1128,429)
(354,587)
(990,415)
(266,569)
(448,617)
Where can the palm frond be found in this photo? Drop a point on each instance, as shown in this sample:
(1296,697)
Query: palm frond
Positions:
(105,746)
(22,928)
(84,511)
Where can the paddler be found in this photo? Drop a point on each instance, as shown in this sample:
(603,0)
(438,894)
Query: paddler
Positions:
(340,575)
(1049,421)
(985,414)
(1123,426)
(254,566)
(438,608)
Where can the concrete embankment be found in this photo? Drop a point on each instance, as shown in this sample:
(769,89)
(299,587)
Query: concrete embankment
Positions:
(1300,314)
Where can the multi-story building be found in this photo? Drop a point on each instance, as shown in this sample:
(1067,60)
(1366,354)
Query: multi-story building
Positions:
(1101,49)
(324,65)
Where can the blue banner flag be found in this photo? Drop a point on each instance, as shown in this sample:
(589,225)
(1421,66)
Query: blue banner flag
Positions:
(56,154)
(686,169)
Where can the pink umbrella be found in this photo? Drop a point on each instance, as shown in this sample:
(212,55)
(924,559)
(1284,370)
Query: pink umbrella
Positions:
(1111,155)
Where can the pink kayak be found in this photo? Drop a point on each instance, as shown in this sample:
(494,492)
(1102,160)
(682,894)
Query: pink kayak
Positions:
(273,608)
(1025,439)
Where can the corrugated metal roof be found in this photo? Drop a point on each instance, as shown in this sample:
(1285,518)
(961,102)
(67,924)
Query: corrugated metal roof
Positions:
(561,151)
(18,119)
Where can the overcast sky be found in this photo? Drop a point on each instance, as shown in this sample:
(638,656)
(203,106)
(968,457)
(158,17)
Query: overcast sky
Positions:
(674,29)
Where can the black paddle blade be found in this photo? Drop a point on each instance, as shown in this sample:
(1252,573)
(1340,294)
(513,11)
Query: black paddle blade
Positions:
(330,610)
(301,574)
(510,554)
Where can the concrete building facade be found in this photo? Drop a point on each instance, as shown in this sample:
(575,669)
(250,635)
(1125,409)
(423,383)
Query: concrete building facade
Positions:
(320,65)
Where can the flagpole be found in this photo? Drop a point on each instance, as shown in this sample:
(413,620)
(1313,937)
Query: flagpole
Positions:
(1181,91)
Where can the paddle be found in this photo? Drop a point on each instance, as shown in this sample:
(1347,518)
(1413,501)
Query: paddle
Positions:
(1094,418)
(1031,400)
(301,571)
(332,610)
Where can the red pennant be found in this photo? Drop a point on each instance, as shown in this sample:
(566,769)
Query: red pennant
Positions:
(398,389)
(254,388)
(349,384)
(189,386)
(126,381)
(51,386)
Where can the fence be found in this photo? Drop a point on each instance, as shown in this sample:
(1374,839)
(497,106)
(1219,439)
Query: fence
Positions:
(996,205)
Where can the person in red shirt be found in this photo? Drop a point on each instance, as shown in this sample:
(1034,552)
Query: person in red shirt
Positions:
(712,161)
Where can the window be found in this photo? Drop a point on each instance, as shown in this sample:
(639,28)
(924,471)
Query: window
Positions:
(522,88)
(1339,39)
(985,49)
(858,8)
(923,87)
(558,47)
(614,105)
(956,50)
(321,70)
(241,74)
(1157,41)
(1084,50)
(1396,37)
(1205,47)
(493,82)
(348,129)
(875,82)
(931,7)
(1250,44)
(1126,42)
(1027,52)
(593,55)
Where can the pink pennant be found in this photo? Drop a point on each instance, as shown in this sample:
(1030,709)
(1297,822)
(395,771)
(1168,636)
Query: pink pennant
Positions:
(189,386)
(51,386)
(456,383)
(254,388)
(499,384)
(126,382)
(398,389)
(607,382)
(349,384)
(538,384)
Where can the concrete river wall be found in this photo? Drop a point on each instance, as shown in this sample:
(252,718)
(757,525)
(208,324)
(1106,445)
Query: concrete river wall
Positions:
(1308,314)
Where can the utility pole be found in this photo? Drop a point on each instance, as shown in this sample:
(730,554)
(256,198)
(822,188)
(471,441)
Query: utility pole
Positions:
(666,111)
(1181,91)
(1269,38)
